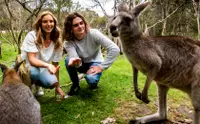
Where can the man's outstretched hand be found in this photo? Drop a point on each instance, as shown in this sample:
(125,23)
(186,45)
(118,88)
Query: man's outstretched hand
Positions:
(75,62)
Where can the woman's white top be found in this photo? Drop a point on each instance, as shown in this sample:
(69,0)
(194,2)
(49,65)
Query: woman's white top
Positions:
(48,54)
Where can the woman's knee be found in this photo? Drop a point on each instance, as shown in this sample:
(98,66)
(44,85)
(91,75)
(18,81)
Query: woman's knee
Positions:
(53,85)
(34,73)
(49,84)
(48,80)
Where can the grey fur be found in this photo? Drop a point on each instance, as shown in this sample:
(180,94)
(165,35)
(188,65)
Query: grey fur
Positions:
(172,61)
(17,103)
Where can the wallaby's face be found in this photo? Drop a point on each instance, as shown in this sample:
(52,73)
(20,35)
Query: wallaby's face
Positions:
(126,21)
(10,74)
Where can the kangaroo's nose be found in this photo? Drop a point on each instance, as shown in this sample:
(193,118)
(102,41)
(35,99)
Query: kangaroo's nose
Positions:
(113,30)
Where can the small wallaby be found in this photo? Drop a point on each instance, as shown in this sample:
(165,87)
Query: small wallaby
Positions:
(17,103)
(171,61)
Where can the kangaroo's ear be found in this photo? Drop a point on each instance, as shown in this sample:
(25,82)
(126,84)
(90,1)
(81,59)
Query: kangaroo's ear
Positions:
(139,8)
(3,67)
(17,65)
(123,7)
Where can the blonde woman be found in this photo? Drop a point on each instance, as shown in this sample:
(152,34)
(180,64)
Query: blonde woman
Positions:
(42,49)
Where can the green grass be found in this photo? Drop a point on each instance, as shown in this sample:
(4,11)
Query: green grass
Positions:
(114,97)
(8,54)
(88,106)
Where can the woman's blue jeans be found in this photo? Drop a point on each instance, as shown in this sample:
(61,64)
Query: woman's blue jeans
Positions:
(92,80)
(45,78)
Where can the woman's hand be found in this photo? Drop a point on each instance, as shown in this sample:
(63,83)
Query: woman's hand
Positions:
(52,69)
(94,70)
(75,62)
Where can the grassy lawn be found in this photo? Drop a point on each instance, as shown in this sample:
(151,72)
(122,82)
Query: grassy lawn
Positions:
(114,98)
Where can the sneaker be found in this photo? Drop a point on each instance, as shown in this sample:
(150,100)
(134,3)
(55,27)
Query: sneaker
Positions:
(92,87)
(73,90)
(39,91)
(67,96)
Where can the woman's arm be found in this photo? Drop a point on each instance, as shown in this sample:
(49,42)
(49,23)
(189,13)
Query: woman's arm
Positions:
(39,63)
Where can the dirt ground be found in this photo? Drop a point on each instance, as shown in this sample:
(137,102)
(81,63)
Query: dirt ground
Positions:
(178,112)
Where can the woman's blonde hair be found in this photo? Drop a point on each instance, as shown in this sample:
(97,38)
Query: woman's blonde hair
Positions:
(40,34)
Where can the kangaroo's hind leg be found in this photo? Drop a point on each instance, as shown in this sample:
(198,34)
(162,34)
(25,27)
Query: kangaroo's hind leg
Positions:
(162,107)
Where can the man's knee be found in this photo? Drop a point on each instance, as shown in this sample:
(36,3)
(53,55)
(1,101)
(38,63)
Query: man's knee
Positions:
(92,79)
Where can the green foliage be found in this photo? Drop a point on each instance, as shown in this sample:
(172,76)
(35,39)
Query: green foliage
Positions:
(100,22)
(94,20)
(182,22)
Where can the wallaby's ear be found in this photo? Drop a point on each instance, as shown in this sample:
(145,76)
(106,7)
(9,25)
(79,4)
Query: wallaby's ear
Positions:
(17,65)
(3,67)
(123,7)
(139,8)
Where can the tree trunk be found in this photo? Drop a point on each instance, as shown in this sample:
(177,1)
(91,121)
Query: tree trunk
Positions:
(164,27)
(198,21)
(196,5)
(158,16)
(0,50)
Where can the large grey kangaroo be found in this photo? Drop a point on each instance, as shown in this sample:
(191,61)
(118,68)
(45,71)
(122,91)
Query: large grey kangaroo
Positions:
(171,61)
